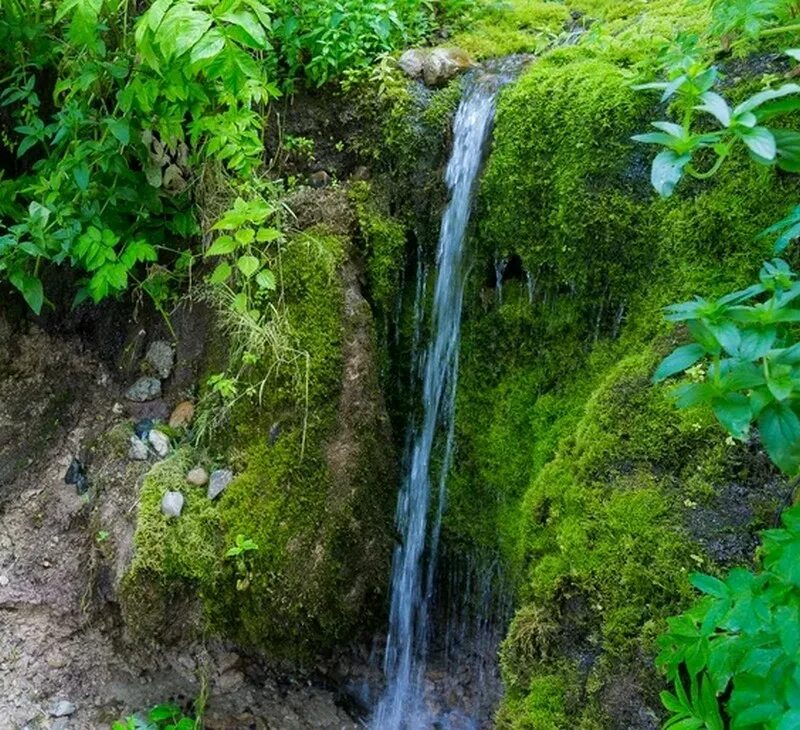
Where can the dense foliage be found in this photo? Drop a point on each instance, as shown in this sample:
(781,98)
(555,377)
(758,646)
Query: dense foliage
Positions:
(111,118)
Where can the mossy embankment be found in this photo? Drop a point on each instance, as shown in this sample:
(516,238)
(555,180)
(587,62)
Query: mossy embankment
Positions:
(600,496)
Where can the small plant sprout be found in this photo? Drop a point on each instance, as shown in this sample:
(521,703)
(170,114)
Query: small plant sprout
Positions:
(241,552)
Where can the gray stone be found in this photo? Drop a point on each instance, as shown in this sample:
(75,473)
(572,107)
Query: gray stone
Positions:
(62,723)
(159,441)
(161,357)
(3,581)
(62,708)
(172,504)
(218,481)
(138,450)
(412,61)
(197,476)
(319,179)
(144,389)
(442,64)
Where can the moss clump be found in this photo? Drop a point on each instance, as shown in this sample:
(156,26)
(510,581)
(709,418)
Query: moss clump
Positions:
(307,488)
(516,26)
(572,465)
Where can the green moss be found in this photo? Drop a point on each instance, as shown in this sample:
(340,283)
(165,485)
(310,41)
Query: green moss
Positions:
(572,465)
(515,26)
(312,500)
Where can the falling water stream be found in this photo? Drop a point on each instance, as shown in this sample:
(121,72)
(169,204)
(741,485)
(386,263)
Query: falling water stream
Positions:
(419,509)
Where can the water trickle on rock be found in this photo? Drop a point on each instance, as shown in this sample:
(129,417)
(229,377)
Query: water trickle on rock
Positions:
(402,706)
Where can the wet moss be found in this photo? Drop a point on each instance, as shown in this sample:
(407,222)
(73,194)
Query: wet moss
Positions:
(571,464)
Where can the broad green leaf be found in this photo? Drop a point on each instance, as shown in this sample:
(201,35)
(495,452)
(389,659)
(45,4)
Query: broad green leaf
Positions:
(248,265)
(768,95)
(221,246)
(267,235)
(761,142)
(221,273)
(667,171)
(31,289)
(209,46)
(266,280)
(715,105)
(678,361)
(780,433)
(708,584)
(121,130)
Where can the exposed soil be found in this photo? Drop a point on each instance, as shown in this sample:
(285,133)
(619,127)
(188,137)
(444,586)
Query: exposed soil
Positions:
(61,635)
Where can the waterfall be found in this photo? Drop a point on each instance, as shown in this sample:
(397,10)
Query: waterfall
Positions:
(402,706)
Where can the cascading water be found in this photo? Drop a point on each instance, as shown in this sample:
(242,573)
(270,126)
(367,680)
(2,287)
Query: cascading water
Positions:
(402,706)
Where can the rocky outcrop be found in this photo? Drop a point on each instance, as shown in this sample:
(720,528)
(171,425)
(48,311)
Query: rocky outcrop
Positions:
(434,66)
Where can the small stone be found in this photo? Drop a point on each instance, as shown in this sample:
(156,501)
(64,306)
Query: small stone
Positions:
(411,62)
(230,681)
(361,173)
(172,504)
(274,433)
(442,64)
(319,179)
(218,481)
(3,581)
(138,450)
(182,415)
(197,476)
(118,409)
(160,442)
(161,357)
(142,427)
(144,389)
(62,708)
(74,471)
(60,724)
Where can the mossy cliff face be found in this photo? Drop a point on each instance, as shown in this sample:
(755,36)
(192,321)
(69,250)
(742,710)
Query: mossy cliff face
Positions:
(598,494)
(314,490)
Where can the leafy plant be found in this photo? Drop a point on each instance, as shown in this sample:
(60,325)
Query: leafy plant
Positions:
(242,551)
(737,649)
(744,361)
(746,124)
(161,717)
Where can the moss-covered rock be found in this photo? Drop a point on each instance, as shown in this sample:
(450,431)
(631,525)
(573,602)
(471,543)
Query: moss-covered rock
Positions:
(313,488)
(571,465)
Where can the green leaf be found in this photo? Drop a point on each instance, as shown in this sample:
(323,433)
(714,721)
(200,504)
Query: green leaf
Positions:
(248,265)
(267,235)
(266,280)
(761,142)
(768,95)
(678,361)
(31,289)
(221,273)
(221,246)
(209,46)
(160,713)
(667,171)
(81,175)
(715,105)
(780,433)
(121,130)
(708,584)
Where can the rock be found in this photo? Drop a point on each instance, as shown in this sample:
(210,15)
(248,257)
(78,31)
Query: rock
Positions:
(3,581)
(144,389)
(197,476)
(138,450)
(230,681)
(161,357)
(412,61)
(172,504)
(442,64)
(361,173)
(218,481)
(62,708)
(77,475)
(142,427)
(118,409)
(62,723)
(319,179)
(274,433)
(153,410)
(160,442)
(182,415)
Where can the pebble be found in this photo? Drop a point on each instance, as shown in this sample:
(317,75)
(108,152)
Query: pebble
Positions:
(161,357)
(319,179)
(3,581)
(62,708)
(160,442)
(77,475)
(197,476)
(218,481)
(172,504)
(142,427)
(182,415)
(138,450)
(144,389)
